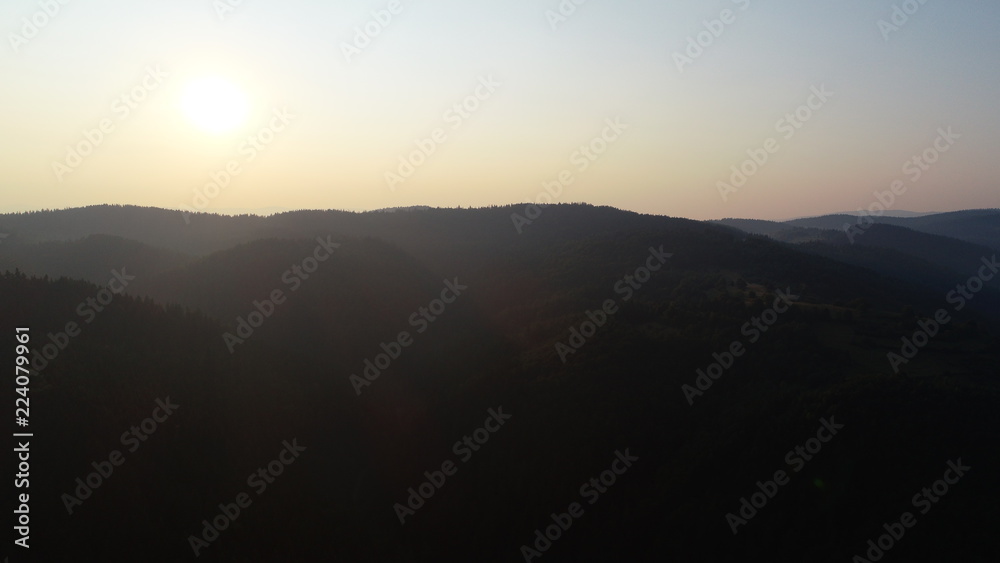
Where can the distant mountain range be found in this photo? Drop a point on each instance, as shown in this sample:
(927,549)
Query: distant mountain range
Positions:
(979,226)
(932,251)
(887,213)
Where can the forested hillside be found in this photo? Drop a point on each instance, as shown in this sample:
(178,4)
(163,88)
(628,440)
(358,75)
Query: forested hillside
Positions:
(687,359)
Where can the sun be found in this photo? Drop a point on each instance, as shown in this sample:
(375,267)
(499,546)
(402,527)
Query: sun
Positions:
(214,104)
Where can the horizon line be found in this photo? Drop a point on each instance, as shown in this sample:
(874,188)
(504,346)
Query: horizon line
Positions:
(265,212)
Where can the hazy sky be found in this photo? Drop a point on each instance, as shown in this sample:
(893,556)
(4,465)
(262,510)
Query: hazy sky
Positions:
(546,86)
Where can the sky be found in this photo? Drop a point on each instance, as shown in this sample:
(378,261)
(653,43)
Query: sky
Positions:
(711,109)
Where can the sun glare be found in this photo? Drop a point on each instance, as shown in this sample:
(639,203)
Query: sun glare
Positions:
(214,105)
